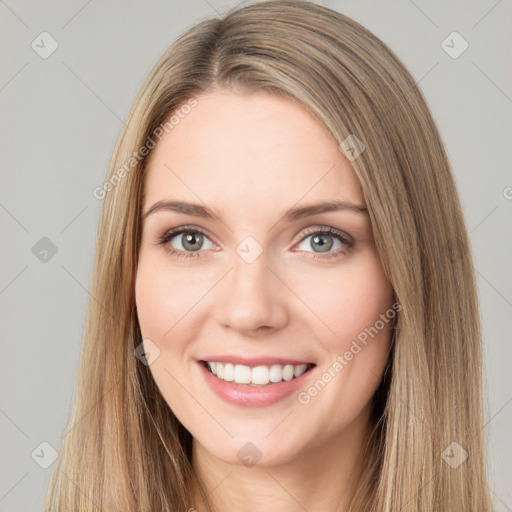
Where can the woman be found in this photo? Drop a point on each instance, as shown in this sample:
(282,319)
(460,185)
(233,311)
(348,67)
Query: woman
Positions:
(283,309)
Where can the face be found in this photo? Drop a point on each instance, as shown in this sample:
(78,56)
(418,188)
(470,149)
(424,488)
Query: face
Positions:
(236,279)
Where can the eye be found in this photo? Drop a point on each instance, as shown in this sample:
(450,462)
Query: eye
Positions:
(323,240)
(189,242)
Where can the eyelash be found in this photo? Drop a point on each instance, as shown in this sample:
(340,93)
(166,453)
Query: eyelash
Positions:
(169,235)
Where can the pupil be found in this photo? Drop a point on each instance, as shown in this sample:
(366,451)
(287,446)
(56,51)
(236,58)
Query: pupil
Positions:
(324,246)
(190,238)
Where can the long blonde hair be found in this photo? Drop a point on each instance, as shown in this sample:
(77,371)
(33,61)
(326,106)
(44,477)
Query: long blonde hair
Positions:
(124,449)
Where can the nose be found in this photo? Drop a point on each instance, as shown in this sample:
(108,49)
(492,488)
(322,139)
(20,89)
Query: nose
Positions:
(252,299)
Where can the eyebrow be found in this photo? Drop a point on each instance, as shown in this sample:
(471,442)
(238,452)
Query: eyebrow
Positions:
(291,215)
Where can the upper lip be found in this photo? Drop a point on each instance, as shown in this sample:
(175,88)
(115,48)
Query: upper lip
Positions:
(253,361)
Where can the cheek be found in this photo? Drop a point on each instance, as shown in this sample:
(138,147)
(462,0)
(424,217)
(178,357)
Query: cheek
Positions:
(165,297)
(153,298)
(347,301)
(165,305)
(356,304)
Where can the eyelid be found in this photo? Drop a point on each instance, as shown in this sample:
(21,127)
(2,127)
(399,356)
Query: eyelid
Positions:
(171,233)
(322,228)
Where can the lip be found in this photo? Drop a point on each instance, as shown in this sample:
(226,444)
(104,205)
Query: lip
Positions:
(253,361)
(245,395)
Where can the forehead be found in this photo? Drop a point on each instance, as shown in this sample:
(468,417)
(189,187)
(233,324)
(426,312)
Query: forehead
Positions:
(256,150)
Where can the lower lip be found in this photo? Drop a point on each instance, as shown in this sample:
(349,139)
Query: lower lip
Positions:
(252,396)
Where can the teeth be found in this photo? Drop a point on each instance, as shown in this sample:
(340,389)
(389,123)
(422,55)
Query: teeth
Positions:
(258,375)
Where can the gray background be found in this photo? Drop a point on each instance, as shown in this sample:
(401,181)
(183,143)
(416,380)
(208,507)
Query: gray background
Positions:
(61,116)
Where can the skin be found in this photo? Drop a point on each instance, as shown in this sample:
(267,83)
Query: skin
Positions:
(250,157)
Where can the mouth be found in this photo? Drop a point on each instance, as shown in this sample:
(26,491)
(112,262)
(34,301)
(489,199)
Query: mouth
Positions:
(256,376)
